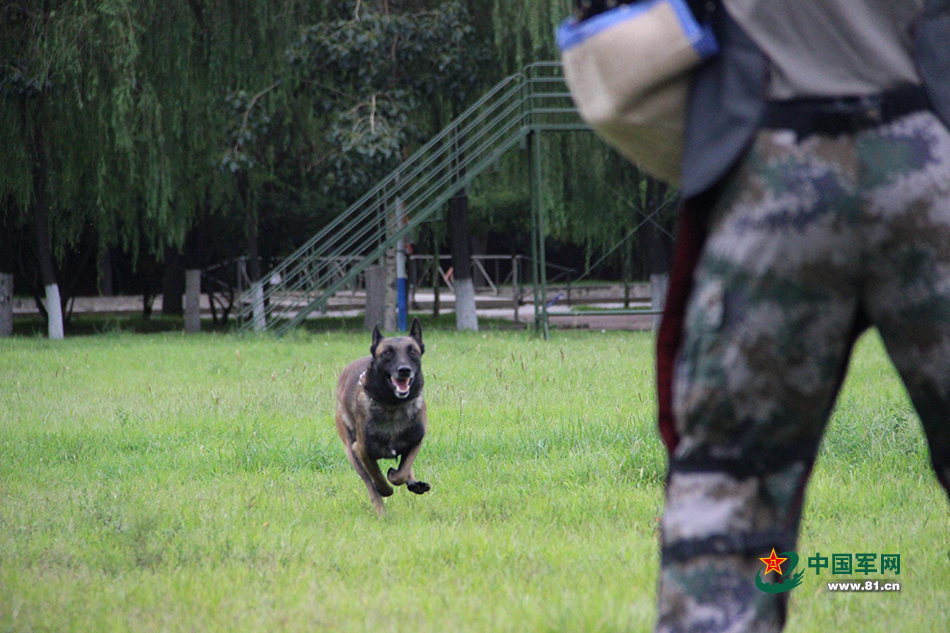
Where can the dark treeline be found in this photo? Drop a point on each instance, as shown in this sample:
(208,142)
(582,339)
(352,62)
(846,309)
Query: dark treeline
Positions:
(139,138)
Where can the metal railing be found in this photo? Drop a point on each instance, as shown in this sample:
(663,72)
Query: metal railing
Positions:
(531,101)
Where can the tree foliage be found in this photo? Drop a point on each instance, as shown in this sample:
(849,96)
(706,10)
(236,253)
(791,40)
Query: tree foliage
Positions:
(164,123)
(382,82)
(591,196)
(523,32)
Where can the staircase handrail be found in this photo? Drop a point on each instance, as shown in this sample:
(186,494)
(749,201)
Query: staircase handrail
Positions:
(453,157)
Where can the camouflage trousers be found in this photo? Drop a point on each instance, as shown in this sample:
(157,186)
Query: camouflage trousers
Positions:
(810,240)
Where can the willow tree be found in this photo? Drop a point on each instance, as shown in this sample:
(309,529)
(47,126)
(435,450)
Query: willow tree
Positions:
(523,32)
(51,54)
(590,195)
(27,83)
(82,133)
(209,73)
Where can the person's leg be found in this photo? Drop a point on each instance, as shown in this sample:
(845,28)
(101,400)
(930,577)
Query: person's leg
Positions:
(769,328)
(908,280)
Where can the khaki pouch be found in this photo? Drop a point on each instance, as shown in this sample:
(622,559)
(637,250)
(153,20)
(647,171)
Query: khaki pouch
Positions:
(629,69)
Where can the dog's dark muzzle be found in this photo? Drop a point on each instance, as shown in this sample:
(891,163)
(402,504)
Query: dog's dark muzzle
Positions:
(402,380)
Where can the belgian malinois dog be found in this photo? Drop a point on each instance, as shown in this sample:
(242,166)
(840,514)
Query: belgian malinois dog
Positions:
(381,414)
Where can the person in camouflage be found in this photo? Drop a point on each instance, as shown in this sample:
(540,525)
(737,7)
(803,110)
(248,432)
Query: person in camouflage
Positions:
(835,216)
(777,292)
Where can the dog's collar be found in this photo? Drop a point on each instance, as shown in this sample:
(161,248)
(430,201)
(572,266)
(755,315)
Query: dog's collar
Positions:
(362,381)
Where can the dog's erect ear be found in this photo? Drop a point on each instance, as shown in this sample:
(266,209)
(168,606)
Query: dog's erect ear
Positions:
(377,339)
(416,333)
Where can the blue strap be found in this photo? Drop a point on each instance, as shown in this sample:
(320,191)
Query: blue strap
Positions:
(572,33)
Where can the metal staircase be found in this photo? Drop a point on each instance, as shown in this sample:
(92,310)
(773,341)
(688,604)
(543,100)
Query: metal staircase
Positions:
(534,100)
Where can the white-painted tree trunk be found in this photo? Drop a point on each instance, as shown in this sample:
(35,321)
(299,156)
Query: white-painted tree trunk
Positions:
(259,318)
(6,304)
(659,285)
(192,301)
(465,316)
(54,308)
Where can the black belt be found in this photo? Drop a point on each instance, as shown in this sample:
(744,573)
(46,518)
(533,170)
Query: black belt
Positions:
(844,115)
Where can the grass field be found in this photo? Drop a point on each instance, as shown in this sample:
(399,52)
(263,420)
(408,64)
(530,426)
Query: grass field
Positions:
(169,483)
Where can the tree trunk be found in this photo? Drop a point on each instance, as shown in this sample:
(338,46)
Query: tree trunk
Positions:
(254,268)
(173,286)
(657,248)
(659,287)
(7,264)
(106,282)
(627,265)
(192,300)
(253,252)
(6,304)
(250,219)
(147,299)
(460,237)
(197,252)
(44,252)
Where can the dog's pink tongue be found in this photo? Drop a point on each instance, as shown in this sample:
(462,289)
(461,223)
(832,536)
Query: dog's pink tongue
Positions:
(402,384)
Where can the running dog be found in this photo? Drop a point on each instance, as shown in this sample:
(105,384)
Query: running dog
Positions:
(381,414)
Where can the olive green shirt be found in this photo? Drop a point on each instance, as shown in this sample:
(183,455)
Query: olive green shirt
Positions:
(821,48)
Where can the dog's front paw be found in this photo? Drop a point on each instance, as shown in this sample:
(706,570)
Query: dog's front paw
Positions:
(393,479)
(384,491)
(418,487)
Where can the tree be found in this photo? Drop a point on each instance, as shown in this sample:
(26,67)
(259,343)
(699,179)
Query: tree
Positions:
(146,130)
(460,238)
(7,266)
(45,48)
(115,115)
(591,196)
(384,81)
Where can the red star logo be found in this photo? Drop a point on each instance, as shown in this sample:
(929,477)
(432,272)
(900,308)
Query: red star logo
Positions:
(773,563)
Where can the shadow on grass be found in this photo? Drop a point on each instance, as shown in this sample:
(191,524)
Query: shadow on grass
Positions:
(429,322)
(93,324)
(96,324)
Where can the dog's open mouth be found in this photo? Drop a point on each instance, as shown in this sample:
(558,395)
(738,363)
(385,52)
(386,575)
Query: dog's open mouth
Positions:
(402,386)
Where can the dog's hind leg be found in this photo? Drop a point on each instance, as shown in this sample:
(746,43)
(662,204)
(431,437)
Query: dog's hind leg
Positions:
(404,474)
(374,496)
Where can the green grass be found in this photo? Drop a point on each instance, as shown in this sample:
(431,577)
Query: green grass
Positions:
(163,482)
